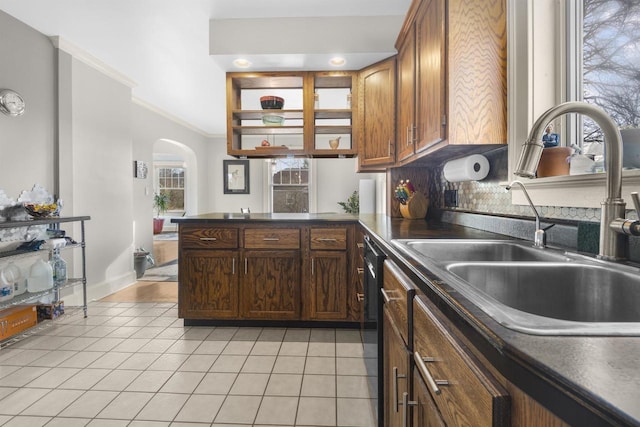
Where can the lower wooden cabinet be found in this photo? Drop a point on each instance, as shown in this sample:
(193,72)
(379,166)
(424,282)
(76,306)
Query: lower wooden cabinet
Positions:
(209,284)
(256,271)
(396,367)
(271,285)
(425,411)
(329,283)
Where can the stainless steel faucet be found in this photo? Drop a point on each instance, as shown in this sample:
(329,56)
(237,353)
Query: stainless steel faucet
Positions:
(540,237)
(614,228)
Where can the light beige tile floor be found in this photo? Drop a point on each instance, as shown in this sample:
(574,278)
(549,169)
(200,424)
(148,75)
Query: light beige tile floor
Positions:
(135,364)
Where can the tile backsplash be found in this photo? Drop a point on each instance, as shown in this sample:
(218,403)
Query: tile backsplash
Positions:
(489,197)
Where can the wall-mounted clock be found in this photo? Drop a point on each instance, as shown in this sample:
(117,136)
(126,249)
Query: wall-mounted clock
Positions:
(11,103)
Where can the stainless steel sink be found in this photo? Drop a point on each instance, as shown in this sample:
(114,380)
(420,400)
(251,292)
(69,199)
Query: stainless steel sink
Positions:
(533,290)
(476,250)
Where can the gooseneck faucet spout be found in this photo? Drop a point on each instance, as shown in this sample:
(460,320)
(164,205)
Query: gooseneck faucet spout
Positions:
(613,226)
(539,237)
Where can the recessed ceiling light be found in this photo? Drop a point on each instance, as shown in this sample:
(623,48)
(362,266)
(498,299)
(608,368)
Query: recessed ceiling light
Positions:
(337,61)
(241,63)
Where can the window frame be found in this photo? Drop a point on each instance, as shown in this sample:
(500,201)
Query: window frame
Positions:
(532,90)
(268,186)
(156,178)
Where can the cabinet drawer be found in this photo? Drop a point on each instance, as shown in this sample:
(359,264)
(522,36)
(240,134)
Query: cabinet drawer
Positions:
(204,237)
(269,238)
(328,239)
(397,293)
(465,392)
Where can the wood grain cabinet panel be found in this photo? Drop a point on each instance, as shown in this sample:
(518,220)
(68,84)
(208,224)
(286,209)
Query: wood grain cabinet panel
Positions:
(209,284)
(329,281)
(199,237)
(468,394)
(271,285)
(425,411)
(396,371)
(405,147)
(328,239)
(272,238)
(398,292)
(377,118)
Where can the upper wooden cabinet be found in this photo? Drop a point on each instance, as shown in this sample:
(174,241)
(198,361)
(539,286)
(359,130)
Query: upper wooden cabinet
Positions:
(376,119)
(317,108)
(452,86)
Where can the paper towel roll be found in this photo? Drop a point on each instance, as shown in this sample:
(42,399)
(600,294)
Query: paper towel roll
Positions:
(367,192)
(470,168)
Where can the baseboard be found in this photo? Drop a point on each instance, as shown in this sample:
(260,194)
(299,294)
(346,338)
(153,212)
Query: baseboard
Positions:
(96,291)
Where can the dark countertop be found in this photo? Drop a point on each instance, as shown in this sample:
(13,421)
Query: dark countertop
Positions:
(566,374)
(217,217)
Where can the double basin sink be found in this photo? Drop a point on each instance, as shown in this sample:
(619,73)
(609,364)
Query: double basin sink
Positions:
(540,291)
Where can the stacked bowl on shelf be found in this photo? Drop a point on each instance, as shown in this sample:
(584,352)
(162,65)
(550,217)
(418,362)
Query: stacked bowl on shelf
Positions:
(272,103)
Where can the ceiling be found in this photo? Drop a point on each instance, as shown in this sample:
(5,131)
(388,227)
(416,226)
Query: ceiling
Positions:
(164,46)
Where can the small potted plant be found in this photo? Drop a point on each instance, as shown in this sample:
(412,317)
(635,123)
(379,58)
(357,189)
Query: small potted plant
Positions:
(352,205)
(161,204)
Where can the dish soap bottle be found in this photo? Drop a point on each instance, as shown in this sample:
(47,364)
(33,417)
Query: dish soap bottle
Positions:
(59,267)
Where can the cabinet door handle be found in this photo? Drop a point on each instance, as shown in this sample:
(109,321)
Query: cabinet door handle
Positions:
(245,266)
(389,148)
(270,239)
(312,266)
(396,404)
(360,270)
(407,140)
(209,239)
(233,266)
(326,239)
(360,297)
(405,410)
(385,295)
(433,384)
(414,133)
(360,245)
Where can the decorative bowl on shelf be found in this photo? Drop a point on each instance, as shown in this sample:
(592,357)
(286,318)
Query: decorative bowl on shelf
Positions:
(41,210)
(272,119)
(271,102)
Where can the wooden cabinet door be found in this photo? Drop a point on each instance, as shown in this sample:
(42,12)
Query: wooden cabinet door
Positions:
(430,70)
(209,284)
(271,285)
(406,99)
(377,87)
(329,282)
(396,372)
(425,412)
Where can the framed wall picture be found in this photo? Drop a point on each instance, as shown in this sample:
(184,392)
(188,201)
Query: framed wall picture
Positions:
(140,169)
(236,176)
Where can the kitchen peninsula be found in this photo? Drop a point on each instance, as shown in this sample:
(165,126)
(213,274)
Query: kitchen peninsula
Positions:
(248,268)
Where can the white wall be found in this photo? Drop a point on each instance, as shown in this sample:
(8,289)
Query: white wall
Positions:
(99,173)
(152,131)
(27,142)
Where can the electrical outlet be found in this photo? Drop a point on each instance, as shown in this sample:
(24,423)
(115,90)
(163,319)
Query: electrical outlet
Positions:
(450,198)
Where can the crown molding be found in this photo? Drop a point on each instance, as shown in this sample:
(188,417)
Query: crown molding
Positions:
(173,118)
(90,60)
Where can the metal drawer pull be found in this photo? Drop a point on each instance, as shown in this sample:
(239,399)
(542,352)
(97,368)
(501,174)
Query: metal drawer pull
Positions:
(360,270)
(233,266)
(326,239)
(360,296)
(270,239)
(433,384)
(209,239)
(405,410)
(312,267)
(386,297)
(246,260)
(395,388)
(360,245)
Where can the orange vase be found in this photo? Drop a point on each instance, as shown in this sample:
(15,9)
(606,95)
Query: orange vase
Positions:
(554,161)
